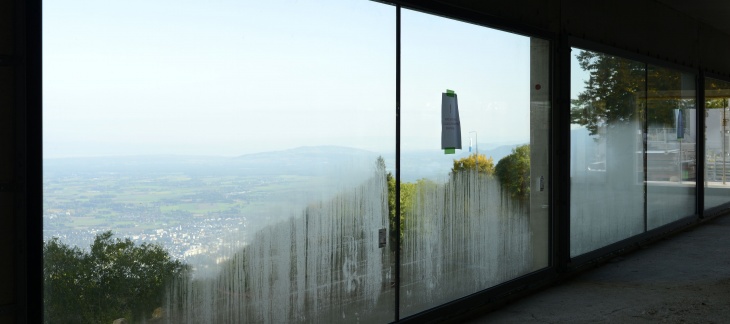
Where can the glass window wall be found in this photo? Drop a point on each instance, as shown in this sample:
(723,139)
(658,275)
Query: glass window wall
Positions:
(476,216)
(247,163)
(607,154)
(238,152)
(633,148)
(671,137)
(235,163)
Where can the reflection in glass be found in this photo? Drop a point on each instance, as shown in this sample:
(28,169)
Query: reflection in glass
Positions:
(717,142)
(478,218)
(606,169)
(670,146)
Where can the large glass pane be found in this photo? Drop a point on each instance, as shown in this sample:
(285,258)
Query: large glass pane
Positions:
(717,142)
(671,136)
(248,143)
(479,217)
(606,166)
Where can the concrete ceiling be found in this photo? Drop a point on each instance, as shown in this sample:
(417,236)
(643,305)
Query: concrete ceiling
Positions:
(715,13)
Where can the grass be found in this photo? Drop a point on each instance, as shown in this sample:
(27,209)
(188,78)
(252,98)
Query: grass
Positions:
(83,222)
(199,208)
(110,200)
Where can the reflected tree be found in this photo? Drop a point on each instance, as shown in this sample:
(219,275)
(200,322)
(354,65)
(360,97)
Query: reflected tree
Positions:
(716,101)
(610,91)
(616,87)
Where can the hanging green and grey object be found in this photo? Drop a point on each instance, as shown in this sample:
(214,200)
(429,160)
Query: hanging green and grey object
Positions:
(450,124)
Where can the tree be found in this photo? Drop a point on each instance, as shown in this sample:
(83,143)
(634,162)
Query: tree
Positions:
(63,271)
(471,162)
(513,172)
(408,192)
(392,212)
(406,202)
(116,278)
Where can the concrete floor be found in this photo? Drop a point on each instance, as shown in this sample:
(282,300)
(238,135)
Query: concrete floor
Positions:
(682,279)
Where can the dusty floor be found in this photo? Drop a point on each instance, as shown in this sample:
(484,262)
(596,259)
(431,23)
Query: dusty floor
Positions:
(683,279)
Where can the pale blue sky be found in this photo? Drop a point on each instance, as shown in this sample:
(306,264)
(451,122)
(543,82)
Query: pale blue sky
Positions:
(488,69)
(234,77)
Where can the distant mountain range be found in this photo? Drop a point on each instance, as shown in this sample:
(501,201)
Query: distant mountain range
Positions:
(434,164)
(307,160)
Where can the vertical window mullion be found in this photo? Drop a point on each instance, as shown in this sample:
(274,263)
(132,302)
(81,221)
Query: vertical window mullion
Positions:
(397,164)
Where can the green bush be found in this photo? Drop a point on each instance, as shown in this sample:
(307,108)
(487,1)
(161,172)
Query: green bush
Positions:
(513,172)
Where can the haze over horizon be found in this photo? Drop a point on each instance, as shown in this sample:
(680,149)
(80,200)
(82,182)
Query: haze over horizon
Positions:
(221,79)
(483,147)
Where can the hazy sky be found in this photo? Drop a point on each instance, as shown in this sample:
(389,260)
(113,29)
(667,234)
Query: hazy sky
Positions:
(234,77)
